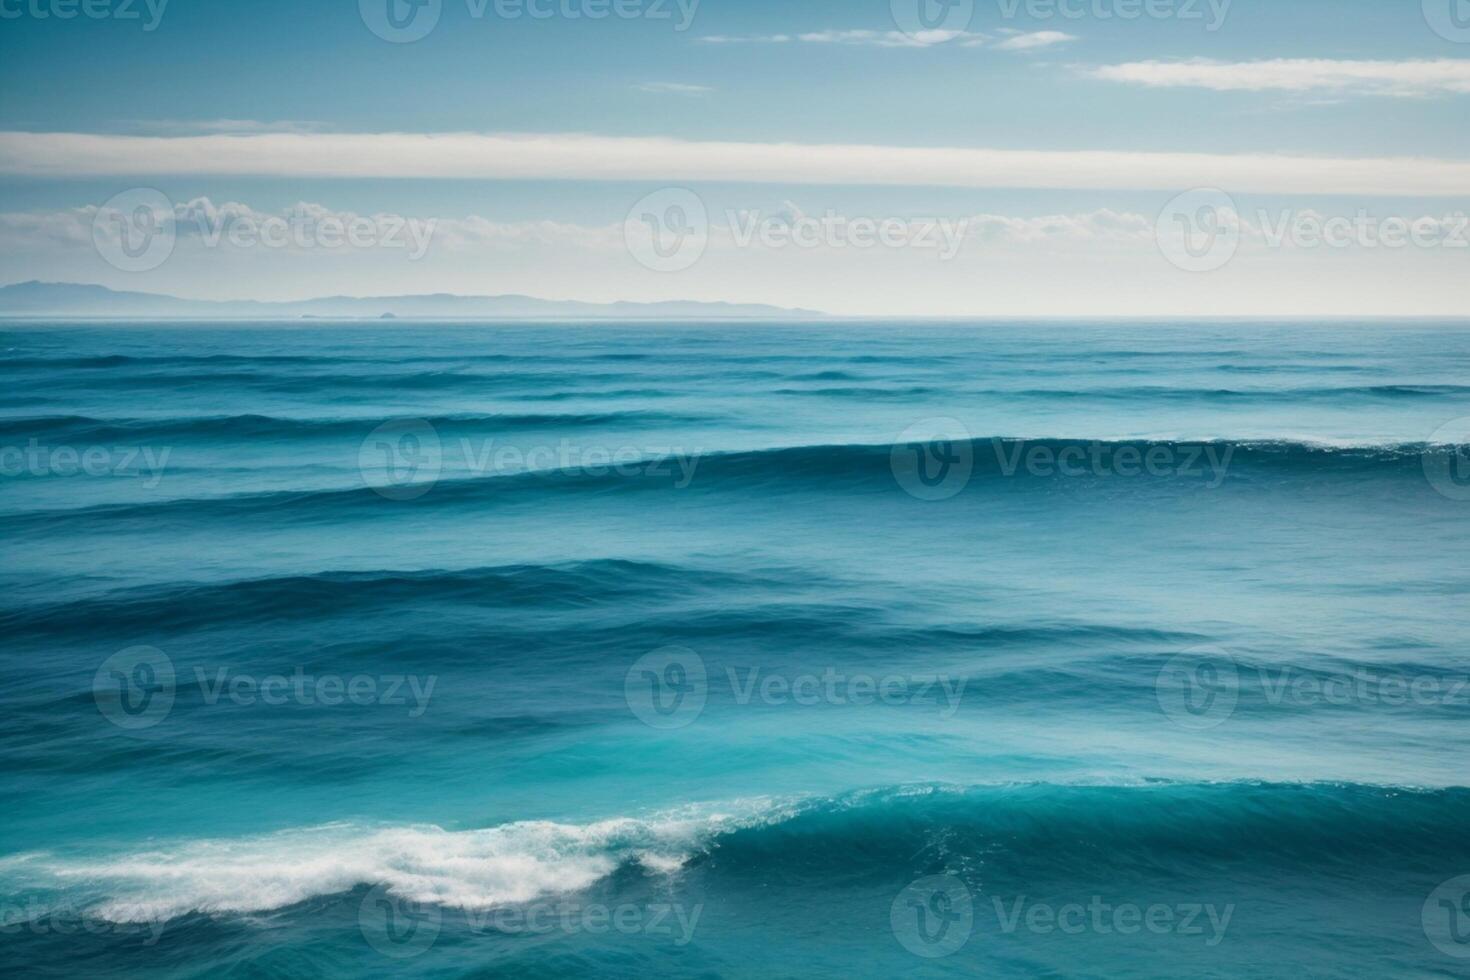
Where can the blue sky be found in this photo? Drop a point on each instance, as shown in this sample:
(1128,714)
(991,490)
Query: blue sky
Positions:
(1343,81)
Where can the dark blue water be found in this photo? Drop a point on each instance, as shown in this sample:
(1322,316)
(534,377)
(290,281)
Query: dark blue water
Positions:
(1010,650)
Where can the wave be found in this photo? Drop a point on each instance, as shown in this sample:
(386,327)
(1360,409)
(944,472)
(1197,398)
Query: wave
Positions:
(837,469)
(793,603)
(80,428)
(875,389)
(457,357)
(853,391)
(451,378)
(569,585)
(324,360)
(182,360)
(1001,457)
(1074,832)
(1020,835)
(509,864)
(445,375)
(1290,395)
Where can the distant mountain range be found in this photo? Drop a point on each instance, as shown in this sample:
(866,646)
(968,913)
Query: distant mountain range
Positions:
(63,299)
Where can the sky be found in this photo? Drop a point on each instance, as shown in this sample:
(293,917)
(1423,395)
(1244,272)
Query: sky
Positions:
(962,158)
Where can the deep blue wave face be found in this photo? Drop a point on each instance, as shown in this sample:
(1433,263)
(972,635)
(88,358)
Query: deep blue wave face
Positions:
(1012,650)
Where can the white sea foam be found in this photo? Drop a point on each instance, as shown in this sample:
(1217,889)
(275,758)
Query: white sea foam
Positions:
(498,866)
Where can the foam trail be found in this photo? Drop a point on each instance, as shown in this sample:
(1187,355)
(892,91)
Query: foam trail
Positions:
(497,866)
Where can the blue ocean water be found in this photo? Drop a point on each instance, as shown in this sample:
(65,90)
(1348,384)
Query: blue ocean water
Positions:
(1004,650)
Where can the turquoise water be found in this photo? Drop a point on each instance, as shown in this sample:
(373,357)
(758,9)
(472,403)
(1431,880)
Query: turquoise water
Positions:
(1006,650)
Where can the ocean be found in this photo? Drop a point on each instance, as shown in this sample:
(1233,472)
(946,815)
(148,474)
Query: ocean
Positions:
(731,650)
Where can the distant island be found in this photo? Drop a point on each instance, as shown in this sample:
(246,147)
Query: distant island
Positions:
(81,300)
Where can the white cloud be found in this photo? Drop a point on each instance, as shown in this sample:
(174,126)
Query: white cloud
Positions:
(893,39)
(553,156)
(864,38)
(25,230)
(1397,78)
(752,39)
(673,88)
(190,126)
(1014,40)
(203,219)
(209,223)
(206,223)
(1101,225)
(1034,41)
